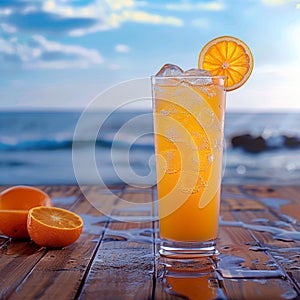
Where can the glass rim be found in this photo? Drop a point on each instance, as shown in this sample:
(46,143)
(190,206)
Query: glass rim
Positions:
(189,76)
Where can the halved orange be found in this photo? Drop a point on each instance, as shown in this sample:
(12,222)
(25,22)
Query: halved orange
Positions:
(53,227)
(227,56)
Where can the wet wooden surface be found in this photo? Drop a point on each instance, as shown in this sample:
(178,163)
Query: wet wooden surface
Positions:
(116,258)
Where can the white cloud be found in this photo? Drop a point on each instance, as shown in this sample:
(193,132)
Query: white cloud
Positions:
(121,48)
(110,14)
(119,4)
(276,2)
(115,20)
(92,29)
(57,65)
(6,47)
(46,54)
(98,15)
(29,9)
(203,6)
(6,11)
(144,17)
(96,9)
(91,55)
(8,28)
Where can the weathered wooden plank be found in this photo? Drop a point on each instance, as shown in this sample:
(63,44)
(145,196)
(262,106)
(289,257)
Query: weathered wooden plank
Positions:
(16,260)
(284,253)
(285,205)
(3,240)
(103,199)
(123,265)
(267,228)
(258,289)
(292,208)
(235,240)
(59,273)
(235,255)
(136,217)
(233,198)
(282,199)
(116,260)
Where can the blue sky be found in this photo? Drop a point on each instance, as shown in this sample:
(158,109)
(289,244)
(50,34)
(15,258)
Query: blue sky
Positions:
(61,54)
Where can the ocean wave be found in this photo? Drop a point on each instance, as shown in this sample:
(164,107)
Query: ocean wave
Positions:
(106,141)
(13,163)
(109,139)
(126,140)
(14,144)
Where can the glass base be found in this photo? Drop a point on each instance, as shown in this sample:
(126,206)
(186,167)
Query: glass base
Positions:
(188,250)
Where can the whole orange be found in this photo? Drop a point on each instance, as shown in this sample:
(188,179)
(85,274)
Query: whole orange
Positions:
(23,197)
(13,223)
(15,203)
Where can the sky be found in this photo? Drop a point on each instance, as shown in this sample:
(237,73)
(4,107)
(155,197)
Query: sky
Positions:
(61,54)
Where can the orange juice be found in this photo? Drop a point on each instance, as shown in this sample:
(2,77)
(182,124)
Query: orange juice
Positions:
(188,126)
(192,279)
(193,287)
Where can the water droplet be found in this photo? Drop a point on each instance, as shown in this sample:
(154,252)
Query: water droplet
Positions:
(271,263)
(210,159)
(260,220)
(172,135)
(241,169)
(242,273)
(273,202)
(188,190)
(291,167)
(206,117)
(289,219)
(291,294)
(278,233)
(257,248)
(164,112)
(172,160)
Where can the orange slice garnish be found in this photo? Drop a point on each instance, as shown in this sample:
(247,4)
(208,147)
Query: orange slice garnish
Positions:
(53,227)
(227,56)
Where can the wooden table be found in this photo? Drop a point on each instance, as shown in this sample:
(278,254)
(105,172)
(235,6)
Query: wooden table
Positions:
(259,243)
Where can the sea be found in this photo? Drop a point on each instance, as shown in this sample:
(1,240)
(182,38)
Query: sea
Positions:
(70,147)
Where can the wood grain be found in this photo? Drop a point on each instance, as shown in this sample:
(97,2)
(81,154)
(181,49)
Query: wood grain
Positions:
(116,255)
(123,267)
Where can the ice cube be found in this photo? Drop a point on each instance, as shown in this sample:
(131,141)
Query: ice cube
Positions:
(197,72)
(169,70)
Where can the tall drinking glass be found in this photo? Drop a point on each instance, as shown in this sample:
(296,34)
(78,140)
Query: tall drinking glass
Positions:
(188,125)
